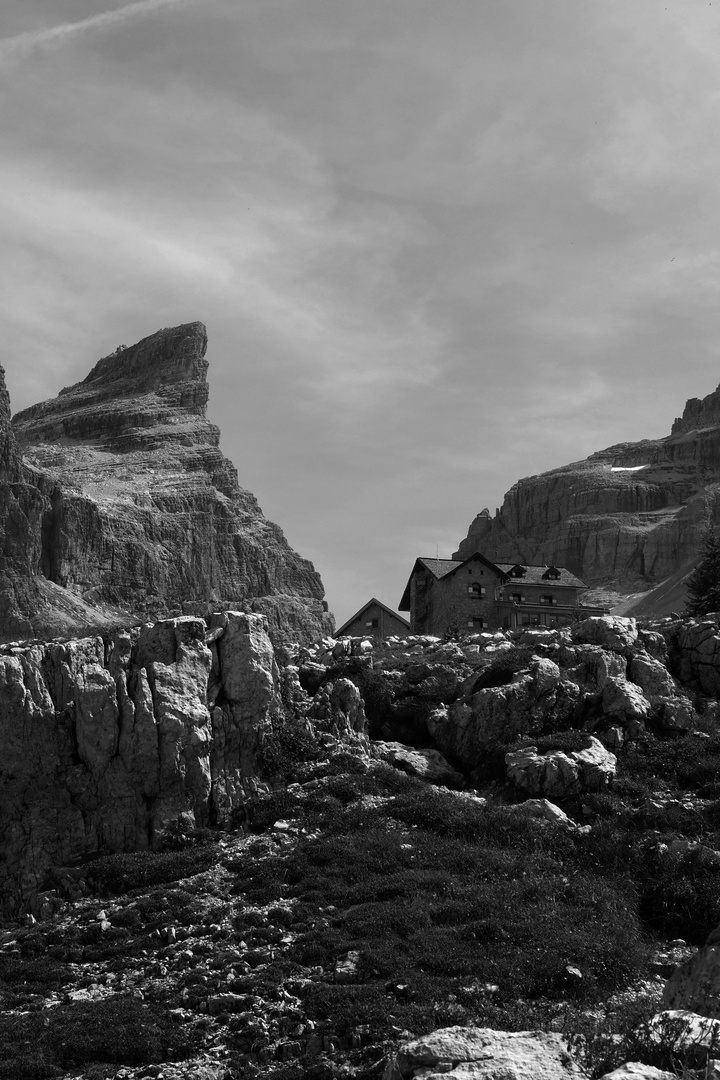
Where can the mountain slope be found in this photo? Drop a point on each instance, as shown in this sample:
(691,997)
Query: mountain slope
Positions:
(626,518)
(130,507)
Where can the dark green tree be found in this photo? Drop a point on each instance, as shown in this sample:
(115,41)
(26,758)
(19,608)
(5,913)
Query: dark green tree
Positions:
(703,585)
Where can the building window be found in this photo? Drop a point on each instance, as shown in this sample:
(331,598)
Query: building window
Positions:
(517,598)
(548,600)
(372,622)
(476,590)
(476,623)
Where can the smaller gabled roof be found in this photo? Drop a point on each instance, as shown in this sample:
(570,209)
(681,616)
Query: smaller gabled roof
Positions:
(538,575)
(372,601)
(440,567)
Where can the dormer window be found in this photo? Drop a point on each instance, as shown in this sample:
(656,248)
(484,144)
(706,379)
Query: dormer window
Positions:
(518,571)
(552,573)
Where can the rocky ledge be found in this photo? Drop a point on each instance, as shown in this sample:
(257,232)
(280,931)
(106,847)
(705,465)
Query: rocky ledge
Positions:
(116,499)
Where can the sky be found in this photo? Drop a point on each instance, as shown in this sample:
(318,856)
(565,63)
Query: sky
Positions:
(437,246)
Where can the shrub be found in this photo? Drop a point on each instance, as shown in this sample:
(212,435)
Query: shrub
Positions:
(118,873)
(118,1029)
(567,741)
(287,745)
(680,894)
(503,666)
(689,761)
(377,697)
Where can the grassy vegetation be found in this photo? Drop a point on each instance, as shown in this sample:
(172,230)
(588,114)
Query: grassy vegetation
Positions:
(118,873)
(459,912)
(117,1030)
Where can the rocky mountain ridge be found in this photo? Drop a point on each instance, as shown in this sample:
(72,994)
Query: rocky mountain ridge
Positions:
(118,505)
(626,518)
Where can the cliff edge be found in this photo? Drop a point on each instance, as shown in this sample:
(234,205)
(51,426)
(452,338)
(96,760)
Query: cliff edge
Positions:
(118,506)
(626,518)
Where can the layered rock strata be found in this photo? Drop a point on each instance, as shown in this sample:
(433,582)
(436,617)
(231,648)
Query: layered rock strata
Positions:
(116,504)
(627,516)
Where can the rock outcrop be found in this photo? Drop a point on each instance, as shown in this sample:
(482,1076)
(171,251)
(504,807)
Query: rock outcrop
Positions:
(484,1054)
(106,743)
(695,984)
(557,774)
(626,517)
(116,504)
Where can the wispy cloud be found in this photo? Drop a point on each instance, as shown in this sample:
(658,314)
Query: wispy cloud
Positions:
(22,45)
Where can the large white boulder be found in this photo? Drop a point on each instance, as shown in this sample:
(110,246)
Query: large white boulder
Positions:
(556,774)
(464,1053)
(635,1070)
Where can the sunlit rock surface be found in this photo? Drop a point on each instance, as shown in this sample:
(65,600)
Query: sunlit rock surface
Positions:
(116,503)
(627,517)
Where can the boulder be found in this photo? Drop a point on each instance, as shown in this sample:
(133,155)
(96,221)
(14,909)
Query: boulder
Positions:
(654,644)
(624,702)
(683,1031)
(546,675)
(591,666)
(698,655)
(652,677)
(484,1054)
(339,710)
(426,764)
(544,810)
(695,984)
(493,716)
(635,1070)
(609,631)
(677,714)
(556,774)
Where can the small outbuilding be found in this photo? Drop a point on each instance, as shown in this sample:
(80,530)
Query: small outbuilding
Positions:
(375,619)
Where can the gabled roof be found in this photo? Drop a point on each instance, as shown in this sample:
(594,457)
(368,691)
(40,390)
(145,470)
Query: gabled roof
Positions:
(538,575)
(442,568)
(533,574)
(372,601)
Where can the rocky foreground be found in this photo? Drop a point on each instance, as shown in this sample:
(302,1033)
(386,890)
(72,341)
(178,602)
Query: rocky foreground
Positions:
(116,503)
(493,856)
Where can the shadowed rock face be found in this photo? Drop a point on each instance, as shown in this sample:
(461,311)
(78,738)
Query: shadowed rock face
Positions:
(627,516)
(123,506)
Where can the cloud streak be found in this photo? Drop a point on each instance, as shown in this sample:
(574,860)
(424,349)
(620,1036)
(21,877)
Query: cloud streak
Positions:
(23,45)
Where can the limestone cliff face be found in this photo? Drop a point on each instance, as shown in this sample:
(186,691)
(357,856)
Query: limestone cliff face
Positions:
(108,741)
(131,510)
(627,516)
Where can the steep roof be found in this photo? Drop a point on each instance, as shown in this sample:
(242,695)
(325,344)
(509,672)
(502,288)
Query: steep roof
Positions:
(535,574)
(441,568)
(364,608)
(538,575)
